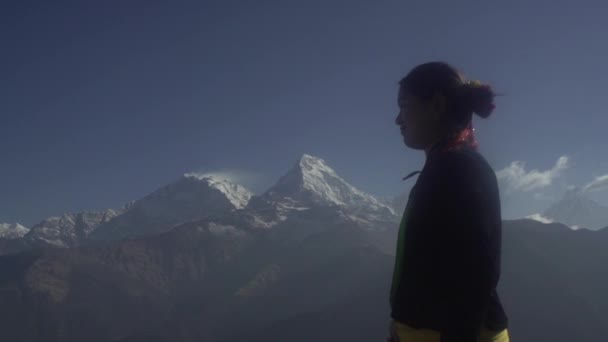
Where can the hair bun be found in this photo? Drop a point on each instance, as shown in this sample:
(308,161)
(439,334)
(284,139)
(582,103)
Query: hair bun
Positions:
(481,98)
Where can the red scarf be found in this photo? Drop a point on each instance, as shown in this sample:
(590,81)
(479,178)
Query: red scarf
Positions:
(460,139)
(455,141)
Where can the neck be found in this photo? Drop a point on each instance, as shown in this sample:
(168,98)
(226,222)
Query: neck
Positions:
(436,141)
(460,136)
(428,150)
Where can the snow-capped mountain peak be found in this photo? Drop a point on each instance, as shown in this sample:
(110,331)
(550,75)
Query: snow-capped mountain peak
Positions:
(312,182)
(323,181)
(577,210)
(237,194)
(312,179)
(12,230)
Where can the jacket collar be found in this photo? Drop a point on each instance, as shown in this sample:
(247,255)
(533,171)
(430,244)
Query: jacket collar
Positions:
(456,140)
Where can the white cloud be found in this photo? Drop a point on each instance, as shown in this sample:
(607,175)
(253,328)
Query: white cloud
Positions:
(542,197)
(539,218)
(517,179)
(598,184)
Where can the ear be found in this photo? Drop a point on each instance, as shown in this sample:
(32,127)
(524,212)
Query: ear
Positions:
(438,106)
(439,103)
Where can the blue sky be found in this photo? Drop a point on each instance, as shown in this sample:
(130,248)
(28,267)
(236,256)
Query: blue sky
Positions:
(104,102)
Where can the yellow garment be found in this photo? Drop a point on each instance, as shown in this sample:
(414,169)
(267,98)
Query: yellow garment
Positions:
(405,333)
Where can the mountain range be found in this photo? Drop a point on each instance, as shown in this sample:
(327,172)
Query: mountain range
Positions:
(309,184)
(310,259)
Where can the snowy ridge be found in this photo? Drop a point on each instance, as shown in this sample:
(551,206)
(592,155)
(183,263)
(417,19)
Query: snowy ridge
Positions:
(12,230)
(68,229)
(540,218)
(237,194)
(193,196)
(55,230)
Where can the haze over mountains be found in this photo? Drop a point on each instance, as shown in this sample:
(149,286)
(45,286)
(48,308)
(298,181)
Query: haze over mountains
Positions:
(310,182)
(577,210)
(310,259)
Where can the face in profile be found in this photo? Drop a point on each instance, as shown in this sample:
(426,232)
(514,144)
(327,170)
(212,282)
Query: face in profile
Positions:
(416,120)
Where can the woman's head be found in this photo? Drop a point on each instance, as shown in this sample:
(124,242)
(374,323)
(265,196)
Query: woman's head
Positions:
(435,102)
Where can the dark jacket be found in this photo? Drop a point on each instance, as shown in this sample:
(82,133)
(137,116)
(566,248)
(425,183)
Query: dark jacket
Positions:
(448,265)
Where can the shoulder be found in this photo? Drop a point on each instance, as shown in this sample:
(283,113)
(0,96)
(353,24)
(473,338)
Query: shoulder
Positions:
(455,169)
(456,163)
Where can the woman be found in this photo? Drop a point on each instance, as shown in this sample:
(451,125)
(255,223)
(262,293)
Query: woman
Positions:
(447,264)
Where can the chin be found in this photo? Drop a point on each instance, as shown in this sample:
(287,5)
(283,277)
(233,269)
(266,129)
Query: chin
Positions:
(412,144)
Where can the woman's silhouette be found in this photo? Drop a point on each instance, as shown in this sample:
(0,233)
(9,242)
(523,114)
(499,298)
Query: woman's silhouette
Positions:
(447,264)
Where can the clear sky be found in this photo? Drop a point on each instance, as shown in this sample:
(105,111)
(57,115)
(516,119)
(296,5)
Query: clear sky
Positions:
(105,101)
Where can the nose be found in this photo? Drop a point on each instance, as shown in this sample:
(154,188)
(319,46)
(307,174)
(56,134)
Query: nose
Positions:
(398,120)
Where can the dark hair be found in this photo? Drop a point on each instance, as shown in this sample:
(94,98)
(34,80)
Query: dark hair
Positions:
(463,97)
